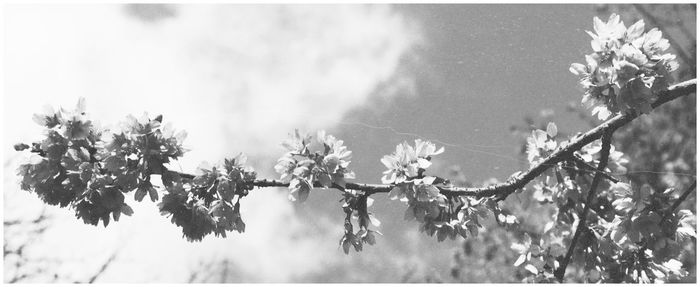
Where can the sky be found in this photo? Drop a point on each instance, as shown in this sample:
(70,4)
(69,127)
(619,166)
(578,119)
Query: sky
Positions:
(240,78)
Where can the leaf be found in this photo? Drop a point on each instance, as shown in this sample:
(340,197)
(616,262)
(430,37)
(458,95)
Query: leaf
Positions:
(225,190)
(85,171)
(410,213)
(339,179)
(396,193)
(369,238)
(153,193)
(346,245)
(325,180)
(105,219)
(537,262)
(114,163)
(140,194)
(442,234)
(127,181)
(473,230)
(126,210)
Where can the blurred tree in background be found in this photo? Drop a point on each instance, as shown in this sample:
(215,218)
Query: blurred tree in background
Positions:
(664,158)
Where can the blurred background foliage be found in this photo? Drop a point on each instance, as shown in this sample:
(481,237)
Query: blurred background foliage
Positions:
(661,147)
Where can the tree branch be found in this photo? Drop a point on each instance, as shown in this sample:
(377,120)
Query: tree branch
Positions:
(502,190)
(593,169)
(604,154)
(103,268)
(680,200)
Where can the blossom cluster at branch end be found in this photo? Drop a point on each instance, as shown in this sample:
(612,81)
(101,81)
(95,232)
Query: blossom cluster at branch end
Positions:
(626,68)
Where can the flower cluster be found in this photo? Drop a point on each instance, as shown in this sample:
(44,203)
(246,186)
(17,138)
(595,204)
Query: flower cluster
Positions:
(140,149)
(81,165)
(407,162)
(324,160)
(206,203)
(355,206)
(625,69)
(446,217)
(405,170)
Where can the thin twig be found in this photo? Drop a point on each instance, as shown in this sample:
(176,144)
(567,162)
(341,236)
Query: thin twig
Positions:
(604,154)
(103,267)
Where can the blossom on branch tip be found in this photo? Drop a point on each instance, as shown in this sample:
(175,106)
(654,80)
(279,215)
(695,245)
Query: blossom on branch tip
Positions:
(625,69)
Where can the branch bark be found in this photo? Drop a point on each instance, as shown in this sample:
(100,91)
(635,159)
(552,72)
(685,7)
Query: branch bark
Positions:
(604,155)
(503,190)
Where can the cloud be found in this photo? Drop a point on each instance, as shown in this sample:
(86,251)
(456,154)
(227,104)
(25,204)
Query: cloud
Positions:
(236,77)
